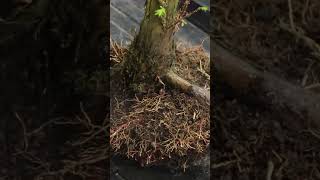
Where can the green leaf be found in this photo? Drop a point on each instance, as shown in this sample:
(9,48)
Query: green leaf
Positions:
(160,12)
(204,8)
(183,23)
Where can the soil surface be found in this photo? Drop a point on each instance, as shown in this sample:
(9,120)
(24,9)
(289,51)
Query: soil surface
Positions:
(251,141)
(126,15)
(160,128)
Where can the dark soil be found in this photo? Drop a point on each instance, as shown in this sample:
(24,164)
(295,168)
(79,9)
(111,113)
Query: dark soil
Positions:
(53,108)
(251,141)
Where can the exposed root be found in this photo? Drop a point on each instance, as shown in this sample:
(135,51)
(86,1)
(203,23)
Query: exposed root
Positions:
(187,87)
(160,127)
(167,125)
(117,53)
(88,150)
(313,45)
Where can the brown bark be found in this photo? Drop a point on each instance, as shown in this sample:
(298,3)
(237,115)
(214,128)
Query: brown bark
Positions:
(152,52)
(185,86)
(266,88)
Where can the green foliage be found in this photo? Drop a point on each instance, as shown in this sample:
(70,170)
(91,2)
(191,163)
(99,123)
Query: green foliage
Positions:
(204,8)
(161,12)
(179,19)
(183,22)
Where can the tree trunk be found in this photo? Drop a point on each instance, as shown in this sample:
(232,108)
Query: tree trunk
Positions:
(152,51)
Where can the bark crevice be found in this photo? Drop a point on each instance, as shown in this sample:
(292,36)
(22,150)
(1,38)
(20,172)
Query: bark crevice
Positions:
(152,52)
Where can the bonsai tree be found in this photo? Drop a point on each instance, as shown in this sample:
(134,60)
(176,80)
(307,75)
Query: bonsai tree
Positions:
(147,135)
(152,53)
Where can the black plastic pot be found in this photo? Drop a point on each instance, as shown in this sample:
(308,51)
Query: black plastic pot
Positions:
(124,169)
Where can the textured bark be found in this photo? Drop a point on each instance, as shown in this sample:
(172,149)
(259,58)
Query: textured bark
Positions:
(152,51)
(185,86)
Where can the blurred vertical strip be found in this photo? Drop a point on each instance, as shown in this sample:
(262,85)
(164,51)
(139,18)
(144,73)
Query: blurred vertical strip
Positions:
(213,123)
(108,67)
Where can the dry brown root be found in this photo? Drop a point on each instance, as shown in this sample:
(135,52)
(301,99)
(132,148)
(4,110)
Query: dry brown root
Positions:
(165,126)
(89,148)
(158,128)
(313,45)
(185,86)
(266,88)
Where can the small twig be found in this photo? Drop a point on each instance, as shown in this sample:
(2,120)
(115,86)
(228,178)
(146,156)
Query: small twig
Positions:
(306,74)
(314,46)
(222,164)
(121,127)
(24,131)
(161,82)
(200,69)
(43,126)
(103,129)
(204,72)
(89,122)
(270,170)
(282,166)
(238,161)
(277,155)
(78,46)
(313,86)
(314,133)
(183,14)
(304,11)
(291,15)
